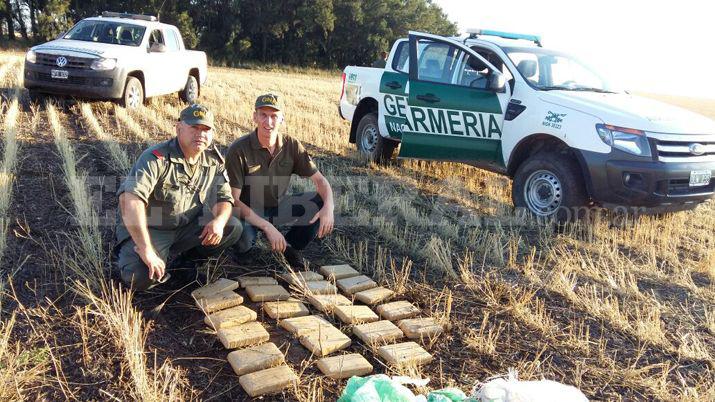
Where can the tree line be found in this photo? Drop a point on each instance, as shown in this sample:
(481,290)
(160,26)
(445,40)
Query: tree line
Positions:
(321,33)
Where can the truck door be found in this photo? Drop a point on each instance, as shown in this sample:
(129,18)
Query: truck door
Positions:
(456,103)
(393,92)
(180,70)
(158,69)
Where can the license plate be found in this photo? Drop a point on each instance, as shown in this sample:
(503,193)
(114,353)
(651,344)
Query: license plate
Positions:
(700,178)
(61,74)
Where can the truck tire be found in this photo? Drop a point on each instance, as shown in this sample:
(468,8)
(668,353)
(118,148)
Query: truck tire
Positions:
(190,93)
(550,185)
(370,143)
(133,94)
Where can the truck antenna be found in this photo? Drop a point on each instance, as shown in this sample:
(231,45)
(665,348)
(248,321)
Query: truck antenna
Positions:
(158,12)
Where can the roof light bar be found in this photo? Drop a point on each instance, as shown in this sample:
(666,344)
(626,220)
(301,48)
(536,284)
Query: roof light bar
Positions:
(111,14)
(473,33)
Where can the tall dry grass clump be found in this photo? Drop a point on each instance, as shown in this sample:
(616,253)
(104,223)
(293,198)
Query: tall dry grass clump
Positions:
(19,368)
(126,329)
(89,264)
(5,68)
(7,168)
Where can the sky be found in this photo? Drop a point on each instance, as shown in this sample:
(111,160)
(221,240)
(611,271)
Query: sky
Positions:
(662,47)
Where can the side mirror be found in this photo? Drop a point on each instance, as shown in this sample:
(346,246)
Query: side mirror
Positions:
(157,48)
(497,83)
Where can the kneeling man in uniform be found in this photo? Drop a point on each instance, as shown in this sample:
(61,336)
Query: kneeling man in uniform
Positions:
(259,166)
(176,201)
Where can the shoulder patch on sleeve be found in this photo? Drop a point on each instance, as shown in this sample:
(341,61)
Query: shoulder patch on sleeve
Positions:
(158,154)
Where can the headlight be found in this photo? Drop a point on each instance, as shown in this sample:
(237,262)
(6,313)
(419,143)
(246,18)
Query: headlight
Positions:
(31,56)
(628,140)
(104,64)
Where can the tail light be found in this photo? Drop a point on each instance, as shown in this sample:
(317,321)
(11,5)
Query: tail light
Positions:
(342,91)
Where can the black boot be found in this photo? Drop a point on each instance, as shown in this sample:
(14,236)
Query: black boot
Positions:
(295,258)
(184,269)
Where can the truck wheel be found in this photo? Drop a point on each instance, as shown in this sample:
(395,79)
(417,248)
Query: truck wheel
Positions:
(133,94)
(370,143)
(190,93)
(550,185)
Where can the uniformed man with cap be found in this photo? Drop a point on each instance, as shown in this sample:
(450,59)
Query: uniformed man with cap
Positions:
(175,201)
(260,165)
(381,62)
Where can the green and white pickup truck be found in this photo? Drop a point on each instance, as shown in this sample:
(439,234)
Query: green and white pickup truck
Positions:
(502,102)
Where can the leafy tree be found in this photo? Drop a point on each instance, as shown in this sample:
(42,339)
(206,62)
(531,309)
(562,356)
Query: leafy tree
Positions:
(328,33)
(53,19)
(218,28)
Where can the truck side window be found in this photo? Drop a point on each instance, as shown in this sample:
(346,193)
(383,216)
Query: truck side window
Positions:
(179,40)
(401,59)
(437,61)
(172,43)
(156,37)
(528,65)
(497,62)
(474,73)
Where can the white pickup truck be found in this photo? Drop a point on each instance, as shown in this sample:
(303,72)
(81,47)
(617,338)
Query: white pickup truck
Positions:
(501,101)
(125,57)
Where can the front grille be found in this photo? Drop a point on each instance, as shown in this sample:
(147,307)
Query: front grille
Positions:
(681,187)
(69,80)
(678,148)
(72,62)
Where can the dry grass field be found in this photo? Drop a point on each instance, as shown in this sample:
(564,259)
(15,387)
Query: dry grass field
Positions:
(622,308)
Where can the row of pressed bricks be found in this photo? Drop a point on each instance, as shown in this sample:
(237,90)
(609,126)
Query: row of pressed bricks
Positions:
(261,366)
(366,324)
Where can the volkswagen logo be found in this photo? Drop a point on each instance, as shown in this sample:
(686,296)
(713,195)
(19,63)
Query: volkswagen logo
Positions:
(61,61)
(697,149)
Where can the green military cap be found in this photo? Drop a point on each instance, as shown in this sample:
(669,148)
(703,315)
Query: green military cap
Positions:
(269,100)
(197,114)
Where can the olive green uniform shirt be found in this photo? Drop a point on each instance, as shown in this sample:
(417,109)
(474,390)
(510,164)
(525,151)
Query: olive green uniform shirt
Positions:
(263,179)
(174,192)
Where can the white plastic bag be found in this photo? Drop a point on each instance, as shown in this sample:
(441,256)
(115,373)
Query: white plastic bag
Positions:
(510,389)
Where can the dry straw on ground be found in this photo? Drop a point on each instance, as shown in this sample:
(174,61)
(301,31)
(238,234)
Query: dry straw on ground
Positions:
(621,308)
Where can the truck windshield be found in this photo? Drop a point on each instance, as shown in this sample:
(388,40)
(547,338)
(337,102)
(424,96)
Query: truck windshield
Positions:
(549,70)
(107,32)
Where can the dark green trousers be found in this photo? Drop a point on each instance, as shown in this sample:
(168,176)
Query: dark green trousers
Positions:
(171,242)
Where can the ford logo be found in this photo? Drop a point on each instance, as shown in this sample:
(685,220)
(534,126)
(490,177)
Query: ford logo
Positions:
(697,149)
(61,61)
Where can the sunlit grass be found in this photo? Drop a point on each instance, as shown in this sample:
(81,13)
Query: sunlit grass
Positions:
(604,305)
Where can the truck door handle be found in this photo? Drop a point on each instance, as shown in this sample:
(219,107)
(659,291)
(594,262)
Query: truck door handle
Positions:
(431,98)
(393,85)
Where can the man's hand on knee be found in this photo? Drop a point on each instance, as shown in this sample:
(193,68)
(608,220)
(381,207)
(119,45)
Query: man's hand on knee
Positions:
(275,237)
(153,261)
(213,232)
(327,221)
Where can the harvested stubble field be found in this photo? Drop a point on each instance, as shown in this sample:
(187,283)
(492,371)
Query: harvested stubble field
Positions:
(623,309)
